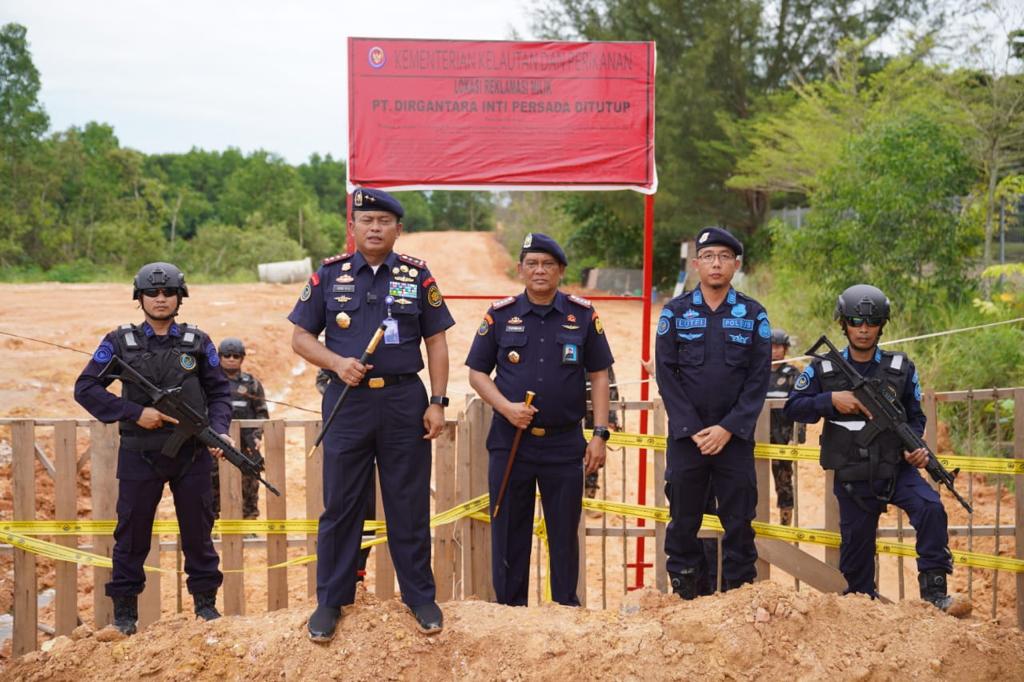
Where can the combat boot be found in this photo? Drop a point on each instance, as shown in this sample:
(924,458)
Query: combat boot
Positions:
(786,516)
(126,614)
(206,605)
(933,591)
(686,583)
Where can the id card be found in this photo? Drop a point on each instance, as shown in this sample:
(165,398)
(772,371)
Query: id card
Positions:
(391,331)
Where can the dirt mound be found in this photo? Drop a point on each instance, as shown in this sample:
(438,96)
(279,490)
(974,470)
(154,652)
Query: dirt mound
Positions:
(764,631)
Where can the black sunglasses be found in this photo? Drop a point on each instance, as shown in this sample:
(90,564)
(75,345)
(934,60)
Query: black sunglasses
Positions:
(869,321)
(232,356)
(168,292)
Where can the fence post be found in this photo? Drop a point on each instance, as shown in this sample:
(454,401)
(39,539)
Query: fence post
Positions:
(479,532)
(660,559)
(444,536)
(277,509)
(103,485)
(383,566)
(150,599)
(314,497)
(65,490)
(232,546)
(26,615)
(463,565)
(762,469)
(1018,507)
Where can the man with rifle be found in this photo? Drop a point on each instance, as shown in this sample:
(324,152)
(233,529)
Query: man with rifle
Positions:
(170,373)
(383,413)
(871,402)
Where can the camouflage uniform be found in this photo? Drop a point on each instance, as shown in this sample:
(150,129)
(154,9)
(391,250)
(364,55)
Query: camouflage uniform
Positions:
(783,433)
(247,402)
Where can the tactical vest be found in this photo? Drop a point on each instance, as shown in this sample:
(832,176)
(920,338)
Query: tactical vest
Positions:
(779,385)
(242,389)
(878,458)
(170,367)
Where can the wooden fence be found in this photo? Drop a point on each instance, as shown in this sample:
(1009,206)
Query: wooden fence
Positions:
(461,552)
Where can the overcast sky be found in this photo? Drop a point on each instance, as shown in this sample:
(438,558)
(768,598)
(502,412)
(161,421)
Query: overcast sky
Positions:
(257,74)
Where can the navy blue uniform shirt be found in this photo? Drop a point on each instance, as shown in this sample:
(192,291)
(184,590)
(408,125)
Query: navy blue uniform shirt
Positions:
(545,349)
(347,299)
(92,394)
(713,367)
(808,402)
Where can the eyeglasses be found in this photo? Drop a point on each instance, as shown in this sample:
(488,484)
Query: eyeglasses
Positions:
(166,292)
(385,221)
(540,265)
(720,257)
(869,321)
(232,356)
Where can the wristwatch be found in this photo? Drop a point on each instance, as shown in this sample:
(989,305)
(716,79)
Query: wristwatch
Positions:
(602,432)
(441,400)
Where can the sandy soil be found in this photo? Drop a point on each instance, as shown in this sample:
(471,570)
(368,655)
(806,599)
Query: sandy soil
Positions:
(36,380)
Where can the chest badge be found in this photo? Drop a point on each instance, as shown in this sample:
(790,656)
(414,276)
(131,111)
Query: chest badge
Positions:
(570,318)
(345,267)
(242,390)
(571,327)
(413,272)
(515,320)
(513,357)
(739,310)
(188,363)
(342,299)
(343,320)
(345,279)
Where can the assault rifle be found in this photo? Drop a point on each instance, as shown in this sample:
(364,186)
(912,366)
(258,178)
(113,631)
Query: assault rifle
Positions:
(191,423)
(887,414)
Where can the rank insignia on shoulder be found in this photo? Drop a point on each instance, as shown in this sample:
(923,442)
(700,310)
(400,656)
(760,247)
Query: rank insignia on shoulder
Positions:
(335,259)
(498,305)
(579,300)
(412,261)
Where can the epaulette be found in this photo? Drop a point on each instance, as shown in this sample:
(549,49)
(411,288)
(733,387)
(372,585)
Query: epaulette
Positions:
(579,300)
(412,261)
(498,305)
(335,259)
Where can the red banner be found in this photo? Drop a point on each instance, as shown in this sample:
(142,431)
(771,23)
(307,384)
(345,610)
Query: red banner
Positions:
(448,114)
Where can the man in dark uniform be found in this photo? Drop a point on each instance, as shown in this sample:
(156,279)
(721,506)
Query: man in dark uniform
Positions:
(171,355)
(712,367)
(547,342)
(323,379)
(387,416)
(869,478)
(783,377)
(247,402)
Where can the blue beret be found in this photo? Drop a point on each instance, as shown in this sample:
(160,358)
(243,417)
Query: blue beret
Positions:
(717,236)
(365,199)
(536,241)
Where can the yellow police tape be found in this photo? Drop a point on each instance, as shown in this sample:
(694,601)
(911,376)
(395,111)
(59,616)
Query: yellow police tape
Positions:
(473,509)
(793,453)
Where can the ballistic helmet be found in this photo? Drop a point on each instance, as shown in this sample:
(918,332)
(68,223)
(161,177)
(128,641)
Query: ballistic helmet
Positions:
(780,337)
(231,345)
(863,301)
(159,276)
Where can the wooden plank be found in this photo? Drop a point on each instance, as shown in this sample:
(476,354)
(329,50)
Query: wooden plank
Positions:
(45,461)
(801,565)
(384,568)
(463,565)
(931,429)
(762,469)
(277,509)
(150,599)
(480,414)
(659,418)
(232,546)
(831,518)
(314,497)
(26,614)
(66,509)
(1018,507)
(103,444)
(444,536)
(581,574)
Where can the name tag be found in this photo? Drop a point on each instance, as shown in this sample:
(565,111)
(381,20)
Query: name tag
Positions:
(691,322)
(737,323)
(515,328)
(343,288)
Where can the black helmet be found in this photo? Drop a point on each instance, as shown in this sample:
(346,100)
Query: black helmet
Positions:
(231,345)
(780,338)
(163,275)
(862,300)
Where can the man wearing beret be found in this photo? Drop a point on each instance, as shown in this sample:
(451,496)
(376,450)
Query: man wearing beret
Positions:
(712,357)
(547,342)
(387,417)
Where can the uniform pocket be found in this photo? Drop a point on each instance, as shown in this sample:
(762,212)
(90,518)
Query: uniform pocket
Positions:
(691,348)
(737,348)
(571,346)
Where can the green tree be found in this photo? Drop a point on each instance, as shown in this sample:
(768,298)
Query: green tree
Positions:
(885,215)
(461,210)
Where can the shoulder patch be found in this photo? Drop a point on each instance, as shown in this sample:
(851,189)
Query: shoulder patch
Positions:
(105,352)
(335,259)
(579,300)
(412,261)
(211,354)
(498,305)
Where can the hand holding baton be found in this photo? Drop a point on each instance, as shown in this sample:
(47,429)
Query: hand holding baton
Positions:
(370,348)
(530,395)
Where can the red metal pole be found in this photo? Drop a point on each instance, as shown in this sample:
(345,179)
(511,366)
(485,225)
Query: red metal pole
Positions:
(641,493)
(350,240)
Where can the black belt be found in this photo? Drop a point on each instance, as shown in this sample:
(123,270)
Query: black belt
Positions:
(374,382)
(541,431)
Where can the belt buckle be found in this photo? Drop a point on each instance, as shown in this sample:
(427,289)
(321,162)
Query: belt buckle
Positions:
(376,382)
(537,431)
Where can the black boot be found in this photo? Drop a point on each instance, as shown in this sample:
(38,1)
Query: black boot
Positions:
(733,584)
(933,588)
(687,583)
(429,617)
(206,605)
(126,614)
(323,622)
